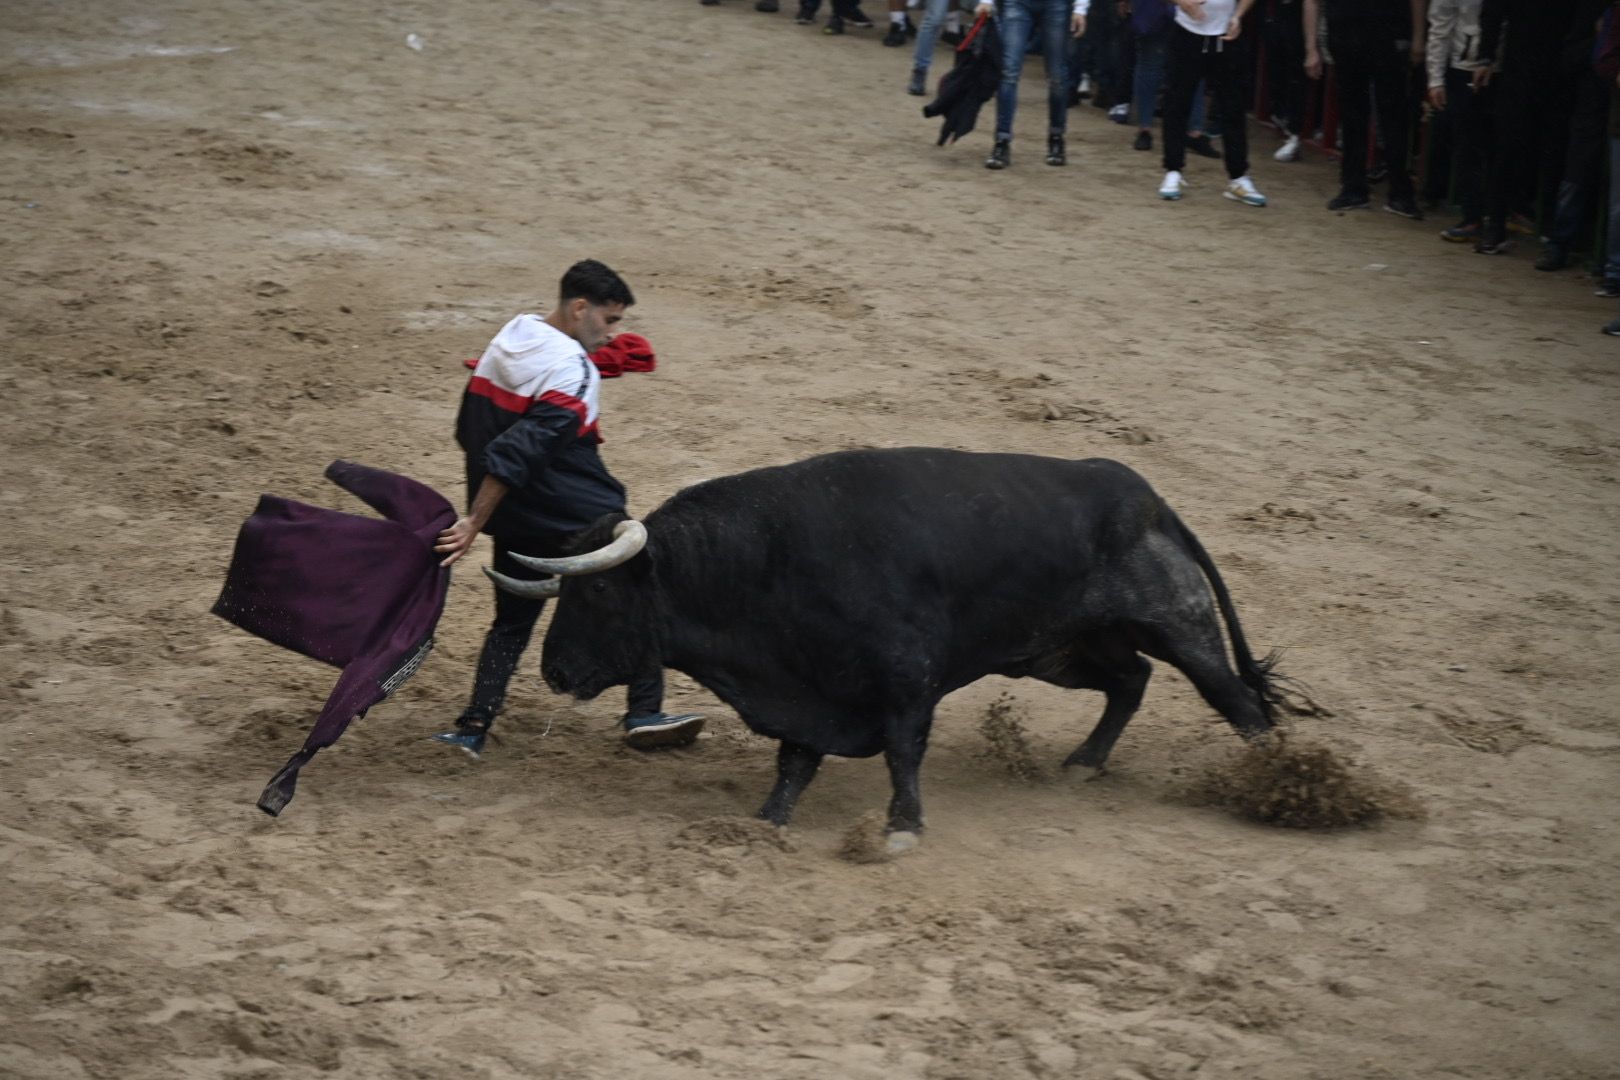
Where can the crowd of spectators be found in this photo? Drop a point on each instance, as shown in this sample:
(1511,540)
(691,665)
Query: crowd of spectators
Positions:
(1505,113)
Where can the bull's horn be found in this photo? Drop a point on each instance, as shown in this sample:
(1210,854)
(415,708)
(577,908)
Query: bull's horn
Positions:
(629,537)
(534,590)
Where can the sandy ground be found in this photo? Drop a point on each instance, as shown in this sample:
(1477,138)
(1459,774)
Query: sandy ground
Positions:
(244,239)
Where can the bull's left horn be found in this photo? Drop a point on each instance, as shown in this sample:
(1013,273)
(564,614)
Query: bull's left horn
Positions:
(629,537)
(534,590)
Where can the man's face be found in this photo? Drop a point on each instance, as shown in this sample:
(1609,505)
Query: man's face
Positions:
(595,324)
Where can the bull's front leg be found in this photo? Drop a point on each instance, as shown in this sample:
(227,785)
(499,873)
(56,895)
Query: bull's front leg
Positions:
(796,766)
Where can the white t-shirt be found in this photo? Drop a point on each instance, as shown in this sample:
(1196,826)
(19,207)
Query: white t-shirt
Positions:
(1217,18)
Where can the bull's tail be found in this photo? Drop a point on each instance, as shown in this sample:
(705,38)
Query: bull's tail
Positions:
(1257,675)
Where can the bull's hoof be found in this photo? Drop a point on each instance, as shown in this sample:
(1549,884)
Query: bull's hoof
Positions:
(901,843)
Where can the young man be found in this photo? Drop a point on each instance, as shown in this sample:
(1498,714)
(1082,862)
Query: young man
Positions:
(1453,57)
(1205,45)
(1020,19)
(528,425)
(1373,42)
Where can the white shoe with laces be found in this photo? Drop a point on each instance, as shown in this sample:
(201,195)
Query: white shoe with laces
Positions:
(1242,190)
(1173,186)
(1288,151)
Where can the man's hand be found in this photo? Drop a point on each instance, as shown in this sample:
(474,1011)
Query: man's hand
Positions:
(1313,64)
(1437,97)
(457,540)
(1482,78)
(984,8)
(1077,25)
(1194,9)
(1233,30)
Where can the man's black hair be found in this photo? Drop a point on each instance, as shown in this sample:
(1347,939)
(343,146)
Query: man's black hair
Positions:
(595,282)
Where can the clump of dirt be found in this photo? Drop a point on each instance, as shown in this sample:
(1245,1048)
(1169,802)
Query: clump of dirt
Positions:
(866,841)
(732,832)
(1002,726)
(1289,781)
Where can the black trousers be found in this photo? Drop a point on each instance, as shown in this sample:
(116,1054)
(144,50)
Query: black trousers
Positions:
(1368,65)
(1223,65)
(1285,59)
(1468,122)
(508,636)
(1584,158)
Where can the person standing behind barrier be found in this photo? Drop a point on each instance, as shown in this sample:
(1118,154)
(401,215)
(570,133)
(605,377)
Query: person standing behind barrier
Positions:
(1285,63)
(1205,43)
(1452,57)
(1372,42)
(938,15)
(1019,20)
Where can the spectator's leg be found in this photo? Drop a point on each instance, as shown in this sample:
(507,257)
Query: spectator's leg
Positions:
(1391,89)
(928,34)
(1352,76)
(1583,165)
(1016,22)
(1228,69)
(1055,44)
(1183,71)
(1149,75)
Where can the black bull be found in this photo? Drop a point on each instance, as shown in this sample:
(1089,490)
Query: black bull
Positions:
(833,602)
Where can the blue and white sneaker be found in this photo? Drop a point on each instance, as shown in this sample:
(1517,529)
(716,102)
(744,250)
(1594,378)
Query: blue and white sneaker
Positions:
(1242,190)
(468,740)
(1173,186)
(659,730)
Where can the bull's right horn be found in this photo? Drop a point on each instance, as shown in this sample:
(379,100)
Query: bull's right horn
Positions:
(534,590)
(629,537)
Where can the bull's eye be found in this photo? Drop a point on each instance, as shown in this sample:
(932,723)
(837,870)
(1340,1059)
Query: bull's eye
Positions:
(599,586)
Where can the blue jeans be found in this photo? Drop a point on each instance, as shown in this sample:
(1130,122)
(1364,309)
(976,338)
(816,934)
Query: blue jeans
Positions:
(928,33)
(1018,22)
(1149,74)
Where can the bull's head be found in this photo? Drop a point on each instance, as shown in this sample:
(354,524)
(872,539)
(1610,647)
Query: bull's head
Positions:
(605,630)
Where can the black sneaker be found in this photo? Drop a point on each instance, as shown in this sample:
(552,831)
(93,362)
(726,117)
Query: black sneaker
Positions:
(1144,141)
(1404,206)
(918,86)
(896,36)
(660,730)
(1553,257)
(1492,240)
(767,6)
(1200,145)
(1609,289)
(1055,154)
(835,25)
(1349,200)
(1000,155)
(857,18)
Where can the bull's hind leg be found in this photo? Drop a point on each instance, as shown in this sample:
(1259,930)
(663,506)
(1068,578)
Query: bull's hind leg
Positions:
(796,766)
(907,736)
(1124,684)
(1199,652)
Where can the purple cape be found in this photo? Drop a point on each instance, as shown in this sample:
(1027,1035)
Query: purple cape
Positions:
(356,592)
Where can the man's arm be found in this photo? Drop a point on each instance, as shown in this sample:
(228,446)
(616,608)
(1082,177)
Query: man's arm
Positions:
(1420,19)
(1313,56)
(454,541)
(1437,52)
(1235,27)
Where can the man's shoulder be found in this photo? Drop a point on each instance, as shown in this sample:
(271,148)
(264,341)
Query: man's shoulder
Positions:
(526,349)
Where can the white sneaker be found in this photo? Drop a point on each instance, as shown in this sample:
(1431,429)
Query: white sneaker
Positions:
(1288,151)
(1242,190)
(1084,89)
(1173,186)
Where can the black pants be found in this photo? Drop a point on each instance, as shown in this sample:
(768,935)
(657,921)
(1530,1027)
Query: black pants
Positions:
(1584,157)
(1191,57)
(508,636)
(1285,59)
(1369,64)
(1469,120)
